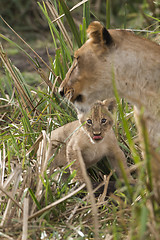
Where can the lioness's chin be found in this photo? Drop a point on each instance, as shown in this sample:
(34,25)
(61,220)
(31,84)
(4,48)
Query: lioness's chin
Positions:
(84,101)
(81,107)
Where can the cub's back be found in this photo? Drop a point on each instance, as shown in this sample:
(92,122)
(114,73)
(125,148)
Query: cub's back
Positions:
(60,137)
(62,133)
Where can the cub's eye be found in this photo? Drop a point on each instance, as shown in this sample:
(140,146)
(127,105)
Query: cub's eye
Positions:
(89,121)
(103,120)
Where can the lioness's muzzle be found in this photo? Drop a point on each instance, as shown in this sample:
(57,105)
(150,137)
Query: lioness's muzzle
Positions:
(68,93)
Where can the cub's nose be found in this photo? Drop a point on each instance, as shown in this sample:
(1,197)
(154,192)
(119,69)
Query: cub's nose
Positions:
(61,92)
(97,133)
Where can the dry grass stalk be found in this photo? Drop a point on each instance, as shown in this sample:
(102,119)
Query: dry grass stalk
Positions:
(60,24)
(36,54)
(155,174)
(108,237)
(10,197)
(25,219)
(35,145)
(76,6)
(57,79)
(8,211)
(2,165)
(92,198)
(36,214)
(7,106)
(12,70)
(10,178)
(44,77)
(106,180)
(5,236)
(42,166)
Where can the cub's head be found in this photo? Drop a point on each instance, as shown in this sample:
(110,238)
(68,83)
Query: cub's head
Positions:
(98,121)
(84,82)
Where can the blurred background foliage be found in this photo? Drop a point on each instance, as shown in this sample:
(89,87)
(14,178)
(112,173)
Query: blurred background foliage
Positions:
(27,16)
(28,20)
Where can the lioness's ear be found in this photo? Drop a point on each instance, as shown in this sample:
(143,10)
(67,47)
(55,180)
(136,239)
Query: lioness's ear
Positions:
(99,34)
(110,104)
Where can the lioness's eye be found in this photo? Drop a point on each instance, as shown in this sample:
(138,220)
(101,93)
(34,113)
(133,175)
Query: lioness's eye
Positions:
(76,58)
(89,121)
(103,120)
(76,62)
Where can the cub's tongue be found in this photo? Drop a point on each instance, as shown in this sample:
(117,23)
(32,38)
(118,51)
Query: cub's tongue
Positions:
(97,137)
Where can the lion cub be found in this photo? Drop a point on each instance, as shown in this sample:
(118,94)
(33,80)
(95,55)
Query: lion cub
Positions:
(93,136)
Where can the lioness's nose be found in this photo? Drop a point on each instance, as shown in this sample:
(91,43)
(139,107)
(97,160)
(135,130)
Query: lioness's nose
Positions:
(61,92)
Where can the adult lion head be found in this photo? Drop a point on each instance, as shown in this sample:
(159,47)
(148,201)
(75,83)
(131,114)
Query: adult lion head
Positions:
(89,69)
(119,55)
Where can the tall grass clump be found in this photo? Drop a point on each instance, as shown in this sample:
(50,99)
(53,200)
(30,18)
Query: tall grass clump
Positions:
(36,201)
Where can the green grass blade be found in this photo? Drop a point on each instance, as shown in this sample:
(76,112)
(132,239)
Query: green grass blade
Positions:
(143,222)
(108,9)
(153,17)
(15,145)
(146,149)
(9,155)
(83,34)
(34,199)
(124,122)
(63,45)
(46,15)
(22,82)
(26,125)
(86,13)
(71,23)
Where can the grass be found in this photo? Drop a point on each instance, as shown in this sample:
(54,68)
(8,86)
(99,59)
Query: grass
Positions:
(36,202)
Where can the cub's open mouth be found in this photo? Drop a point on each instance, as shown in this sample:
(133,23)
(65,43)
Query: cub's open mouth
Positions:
(97,137)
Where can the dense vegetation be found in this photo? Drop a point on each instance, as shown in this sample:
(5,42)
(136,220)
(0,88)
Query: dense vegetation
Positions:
(36,203)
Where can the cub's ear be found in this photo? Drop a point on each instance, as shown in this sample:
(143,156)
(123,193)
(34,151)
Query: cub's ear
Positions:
(110,104)
(99,34)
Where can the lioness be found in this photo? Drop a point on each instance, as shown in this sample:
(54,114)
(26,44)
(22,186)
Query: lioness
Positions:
(134,64)
(94,139)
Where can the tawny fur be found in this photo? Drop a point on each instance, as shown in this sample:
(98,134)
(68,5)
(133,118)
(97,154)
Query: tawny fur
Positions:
(134,64)
(82,140)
